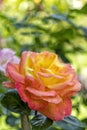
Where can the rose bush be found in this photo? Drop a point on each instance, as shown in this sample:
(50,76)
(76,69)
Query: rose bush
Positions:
(44,82)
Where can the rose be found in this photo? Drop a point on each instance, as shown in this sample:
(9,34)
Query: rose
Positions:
(45,83)
(7,55)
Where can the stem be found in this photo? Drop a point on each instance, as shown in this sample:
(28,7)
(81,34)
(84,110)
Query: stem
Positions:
(25,124)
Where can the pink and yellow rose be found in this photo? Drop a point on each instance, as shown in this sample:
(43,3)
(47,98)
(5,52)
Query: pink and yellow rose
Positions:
(45,83)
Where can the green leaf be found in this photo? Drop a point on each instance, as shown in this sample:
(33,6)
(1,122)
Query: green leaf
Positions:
(12,101)
(70,123)
(84,9)
(11,120)
(84,29)
(53,128)
(2,77)
(40,122)
(63,17)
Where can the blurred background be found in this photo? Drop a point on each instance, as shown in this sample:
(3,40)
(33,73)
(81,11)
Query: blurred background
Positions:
(59,26)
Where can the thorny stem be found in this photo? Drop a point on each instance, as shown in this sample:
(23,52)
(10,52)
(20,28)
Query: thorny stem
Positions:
(25,123)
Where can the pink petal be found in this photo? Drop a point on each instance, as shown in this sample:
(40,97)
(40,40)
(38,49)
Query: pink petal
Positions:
(14,74)
(32,82)
(54,100)
(57,111)
(36,104)
(70,90)
(9,84)
(40,93)
(21,91)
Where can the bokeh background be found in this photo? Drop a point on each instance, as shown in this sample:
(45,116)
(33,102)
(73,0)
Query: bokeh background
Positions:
(59,26)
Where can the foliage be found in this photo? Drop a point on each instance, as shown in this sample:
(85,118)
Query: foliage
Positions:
(14,104)
(41,122)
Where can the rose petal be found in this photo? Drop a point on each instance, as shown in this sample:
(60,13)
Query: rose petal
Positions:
(45,59)
(70,90)
(41,93)
(33,83)
(36,104)
(61,69)
(53,81)
(57,111)
(9,84)
(21,91)
(12,70)
(54,100)
(26,66)
(24,59)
